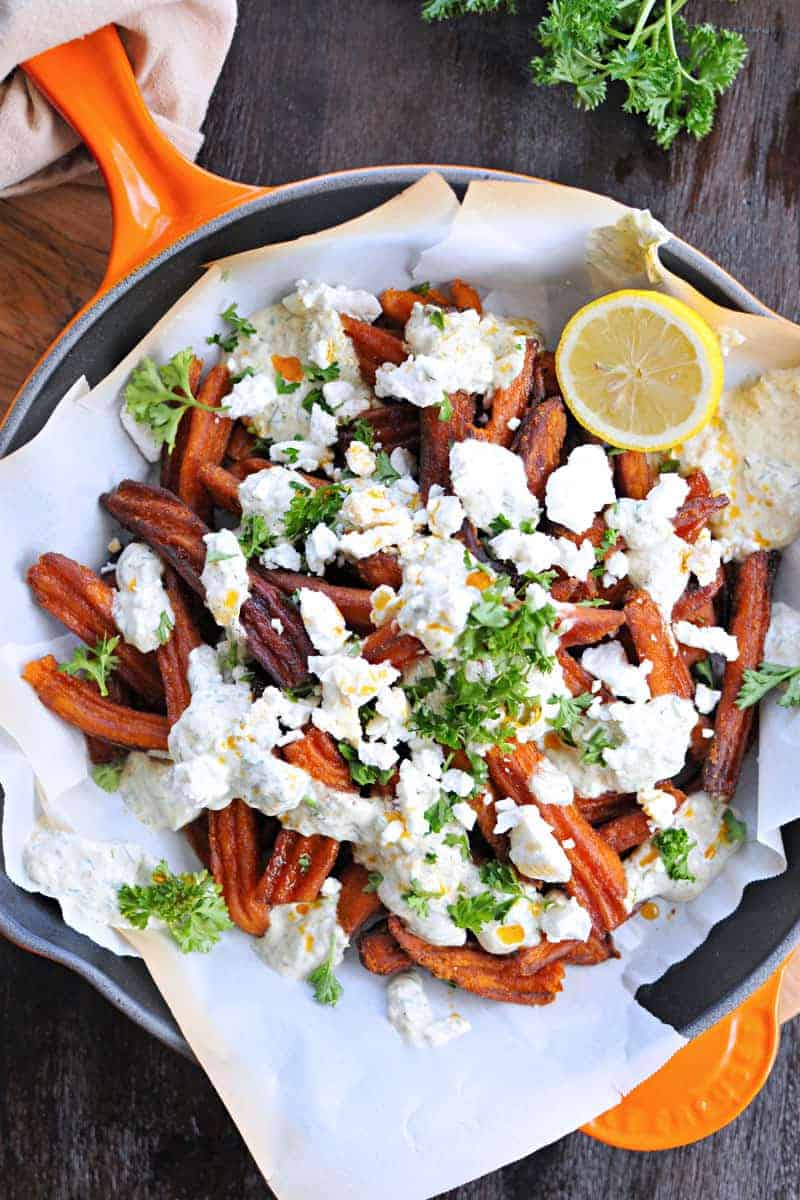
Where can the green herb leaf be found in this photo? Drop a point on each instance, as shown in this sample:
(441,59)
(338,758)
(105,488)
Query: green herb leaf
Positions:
(374,881)
(157,397)
(165,627)
(327,989)
(436,317)
(360,772)
(669,466)
(243,374)
(108,775)
(499,524)
(303,863)
(440,813)
(756,683)
(473,912)
(98,664)
(420,289)
(673,845)
(593,749)
(362,431)
(441,10)
(241,328)
(311,507)
(445,408)
(315,374)
(703,671)
(418,900)
(734,829)
(190,905)
(283,387)
(500,877)
(384,471)
(255,536)
(460,841)
(598,603)
(568,717)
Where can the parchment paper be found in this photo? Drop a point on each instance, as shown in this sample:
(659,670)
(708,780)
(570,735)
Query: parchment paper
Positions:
(331,1101)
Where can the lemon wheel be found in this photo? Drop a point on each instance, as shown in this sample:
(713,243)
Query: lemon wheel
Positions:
(640,370)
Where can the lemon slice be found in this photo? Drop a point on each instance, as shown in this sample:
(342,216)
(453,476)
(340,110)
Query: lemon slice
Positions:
(640,370)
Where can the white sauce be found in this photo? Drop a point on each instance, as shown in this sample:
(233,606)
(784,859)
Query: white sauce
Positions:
(224,577)
(301,937)
(140,603)
(409,1011)
(782,645)
(707,637)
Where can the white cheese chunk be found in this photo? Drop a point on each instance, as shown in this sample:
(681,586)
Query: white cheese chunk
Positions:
(225,577)
(707,637)
(324,623)
(658,805)
(576,492)
(490,481)
(535,849)
(609,663)
(782,645)
(564,919)
(410,1013)
(140,607)
(706,699)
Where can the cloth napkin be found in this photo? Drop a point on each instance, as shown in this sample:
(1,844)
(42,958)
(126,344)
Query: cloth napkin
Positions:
(176,47)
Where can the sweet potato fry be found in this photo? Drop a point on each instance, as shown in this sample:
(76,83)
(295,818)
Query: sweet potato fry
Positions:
(654,642)
(81,601)
(509,403)
(633,474)
(397,305)
(388,644)
(241,442)
(577,679)
(597,809)
(393,426)
(539,442)
(206,439)
(283,651)
(488,975)
(545,380)
(169,525)
(298,867)
(376,343)
(378,569)
(465,296)
(316,753)
(749,623)
(694,515)
(168,460)
(356,906)
(380,953)
(173,656)
(583,626)
(626,831)
(596,949)
(80,704)
(594,864)
(222,487)
(354,604)
(235,856)
(436,438)
(694,602)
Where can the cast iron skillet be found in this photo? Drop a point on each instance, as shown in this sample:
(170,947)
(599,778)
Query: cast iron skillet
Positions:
(177,217)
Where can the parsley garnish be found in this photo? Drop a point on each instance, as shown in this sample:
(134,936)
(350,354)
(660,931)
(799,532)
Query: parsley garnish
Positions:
(673,845)
(431,857)
(190,905)
(311,507)
(315,374)
(362,431)
(733,829)
(499,524)
(241,328)
(608,539)
(418,900)
(527,526)
(360,772)
(436,317)
(703,671)
(420,289)
(384,471)
(303,863)
(756,684)
(445,408)
(543,578)
(313,397)
(460,841)
(327,989)
(595,746)
(374,881)
(473,912)
(108,775)
(243,374)
(255,536)
(98,664)
(165,627)
(669,466)
(500,877)
(440,813)
(151,396)
(567,719)
(283,387)
(291,455)
(598,603)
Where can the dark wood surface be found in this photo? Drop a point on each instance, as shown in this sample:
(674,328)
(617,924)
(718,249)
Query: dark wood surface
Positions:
(90,1107)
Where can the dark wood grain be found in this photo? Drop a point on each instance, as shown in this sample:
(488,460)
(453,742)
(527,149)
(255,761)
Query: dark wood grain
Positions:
(90,1107)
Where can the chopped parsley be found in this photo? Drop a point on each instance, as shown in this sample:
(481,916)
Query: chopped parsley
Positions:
(595,746)
(673,845)
(499,524)
(190,905)
(420,289)
(291,455)
(165,627)
(543,578)
(459,841)
(315,374)
(567,719)
(108,775)
(311,507)
(431,857)
(440,813)
(436,317)
(733,829)
(255,536)
(384,471)
(360,772)
(418,900)
(241,327)
(98,664)
(374,881)
(362,431)
(669,466)
(756,683)
(283,387)
(500,877)
(597,603)
(704,672)
(445,408)
(313,397)
(473,912)
(327,989)
(157,397)
(303,863)
(243,374)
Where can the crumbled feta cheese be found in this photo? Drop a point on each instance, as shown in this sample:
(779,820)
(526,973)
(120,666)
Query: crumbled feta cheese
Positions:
(507,813)
(576,492)
(609,663)
(706,699)
(564,919)
(360,459)
(283,556)
(348,682)
(459,782)
(518,928)
(464,814)
(658,805)
(324,623)
(549,785)
(320,548)
(704,558)
(301,937)
(375,520)
(445,513)
(141,601)
(658,560)
(321,297)
(224,577)
(435,598)
(616,565)
(535,849)
(490,481)
(530,553)
(712,638)
(513,423)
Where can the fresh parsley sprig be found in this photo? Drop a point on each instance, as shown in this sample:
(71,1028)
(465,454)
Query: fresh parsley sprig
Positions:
(241,328)
(98,664)
(756,683)
(108,775)
(361,773)
(158,396)
(594,747)
(327,988)
(568,717)
(311,507)
(190,905)
(673,845)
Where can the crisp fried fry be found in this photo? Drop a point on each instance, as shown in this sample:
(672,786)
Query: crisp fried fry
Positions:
(436,438)
(397,305)
(545,380)
(161,519)
(298,867)
(241,442)
(205,441)
(749,623)
(80,704)
(489,975)
(380,568)
(355,604)
(633,474)
(222,486)
(465,296)
(597,809)
(394,426)
(377,344)
(594,865)
(596,949)
(388,644)
(168,460)
(583,626)
(653,641)
(235,855)
(316,753)
(626,831)
(380,953)
(539,442)
(576,677)
(81,600)
(693,515)
(283,651)
(509,403)
(356,906)
(694,603)
(173,656)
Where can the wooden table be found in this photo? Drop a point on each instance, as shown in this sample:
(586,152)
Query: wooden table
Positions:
(90,1107)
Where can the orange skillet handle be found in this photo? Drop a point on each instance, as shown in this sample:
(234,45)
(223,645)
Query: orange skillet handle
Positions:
(157,196)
